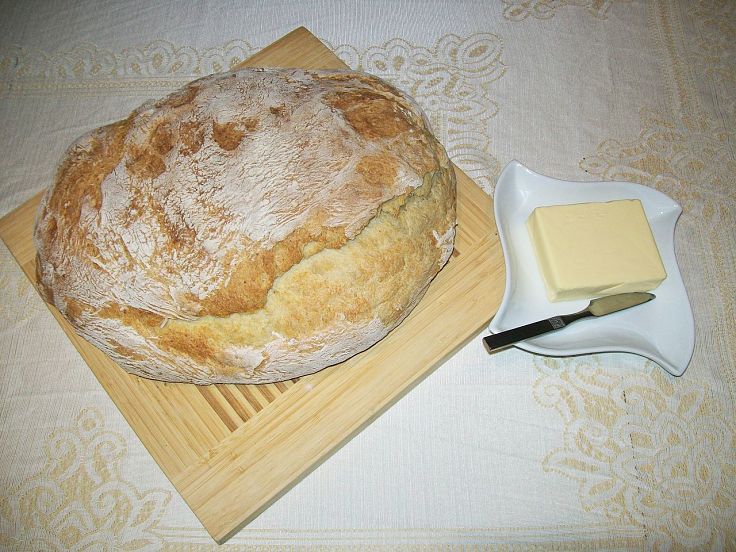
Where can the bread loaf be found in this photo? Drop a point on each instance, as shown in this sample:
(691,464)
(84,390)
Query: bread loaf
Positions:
(254,226)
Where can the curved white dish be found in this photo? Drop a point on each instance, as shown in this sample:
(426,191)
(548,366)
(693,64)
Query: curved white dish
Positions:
(662,330)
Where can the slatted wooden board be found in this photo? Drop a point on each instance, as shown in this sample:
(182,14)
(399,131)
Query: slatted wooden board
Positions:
(231,450)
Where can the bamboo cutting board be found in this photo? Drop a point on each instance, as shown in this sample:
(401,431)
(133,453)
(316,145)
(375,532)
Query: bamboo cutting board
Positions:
(231,450)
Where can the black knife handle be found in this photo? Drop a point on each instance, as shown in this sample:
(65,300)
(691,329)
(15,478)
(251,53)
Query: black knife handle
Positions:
(509,337)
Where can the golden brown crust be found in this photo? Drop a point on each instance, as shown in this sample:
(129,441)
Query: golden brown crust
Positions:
(371,114)
(254,226)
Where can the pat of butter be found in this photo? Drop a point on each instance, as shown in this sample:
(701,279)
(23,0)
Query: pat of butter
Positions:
(590,250)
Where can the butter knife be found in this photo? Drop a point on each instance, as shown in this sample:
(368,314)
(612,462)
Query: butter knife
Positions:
(597,307)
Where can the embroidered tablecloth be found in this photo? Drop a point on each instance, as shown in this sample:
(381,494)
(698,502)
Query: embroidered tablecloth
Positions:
(600,451)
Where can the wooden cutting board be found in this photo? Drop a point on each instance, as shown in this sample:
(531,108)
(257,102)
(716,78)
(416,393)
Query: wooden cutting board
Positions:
(231,450)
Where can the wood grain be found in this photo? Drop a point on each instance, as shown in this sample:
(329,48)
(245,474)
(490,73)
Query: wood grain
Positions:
(230,450)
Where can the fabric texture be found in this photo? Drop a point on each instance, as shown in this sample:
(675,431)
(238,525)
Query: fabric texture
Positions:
(522,451)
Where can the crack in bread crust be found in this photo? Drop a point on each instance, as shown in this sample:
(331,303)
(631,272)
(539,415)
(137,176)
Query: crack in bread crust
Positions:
(254,226)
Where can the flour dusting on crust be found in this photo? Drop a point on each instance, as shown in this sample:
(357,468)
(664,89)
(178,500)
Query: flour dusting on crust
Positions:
(253,226)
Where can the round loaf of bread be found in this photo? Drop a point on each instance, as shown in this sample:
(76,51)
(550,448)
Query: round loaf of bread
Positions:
(254,226)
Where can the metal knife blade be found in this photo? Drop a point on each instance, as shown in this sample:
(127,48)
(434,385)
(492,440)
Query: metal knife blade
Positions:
(597,307)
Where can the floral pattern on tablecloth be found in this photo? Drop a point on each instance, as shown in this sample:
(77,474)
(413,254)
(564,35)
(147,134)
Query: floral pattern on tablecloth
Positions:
(80,499)
(646,449)
(87,65)
(518,10)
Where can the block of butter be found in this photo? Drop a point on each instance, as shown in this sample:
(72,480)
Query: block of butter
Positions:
(590,250)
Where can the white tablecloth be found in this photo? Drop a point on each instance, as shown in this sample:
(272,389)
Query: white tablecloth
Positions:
(592,452)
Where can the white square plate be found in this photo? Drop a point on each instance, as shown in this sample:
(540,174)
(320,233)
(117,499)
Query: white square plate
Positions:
(662,330)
